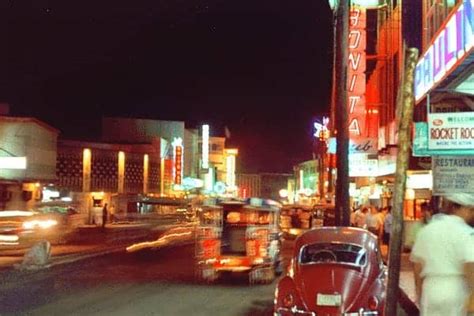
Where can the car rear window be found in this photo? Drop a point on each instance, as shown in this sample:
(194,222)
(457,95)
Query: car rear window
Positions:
(333,253)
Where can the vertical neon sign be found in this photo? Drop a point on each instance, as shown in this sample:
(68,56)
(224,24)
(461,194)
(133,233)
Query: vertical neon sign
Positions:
(205,146)
(356,72)
(178,160)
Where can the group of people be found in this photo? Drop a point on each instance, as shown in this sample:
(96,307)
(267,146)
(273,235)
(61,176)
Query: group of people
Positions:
(377,221)
(442,253)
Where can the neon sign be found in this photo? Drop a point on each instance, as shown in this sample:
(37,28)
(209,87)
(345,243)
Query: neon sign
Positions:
(450,46)
(356,71)
(321,128)
(178,160)
(205,146)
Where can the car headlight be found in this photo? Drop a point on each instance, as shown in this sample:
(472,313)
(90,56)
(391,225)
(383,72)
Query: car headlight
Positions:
(44,224)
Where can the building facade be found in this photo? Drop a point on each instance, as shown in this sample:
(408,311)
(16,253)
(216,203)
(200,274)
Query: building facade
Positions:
(27,161)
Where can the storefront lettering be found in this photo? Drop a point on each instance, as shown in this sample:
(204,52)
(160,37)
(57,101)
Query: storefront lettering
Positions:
(467,133)
(453,162)
(363,147)
(444,133)
(356,81)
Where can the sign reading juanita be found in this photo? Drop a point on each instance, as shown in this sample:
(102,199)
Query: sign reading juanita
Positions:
(452,174)
(451,130)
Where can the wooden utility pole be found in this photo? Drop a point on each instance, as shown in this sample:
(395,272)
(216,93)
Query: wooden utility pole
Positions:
(342,128)
(405,105)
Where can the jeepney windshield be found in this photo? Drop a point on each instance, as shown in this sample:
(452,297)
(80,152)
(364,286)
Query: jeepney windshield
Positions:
(295,218)
(248,217)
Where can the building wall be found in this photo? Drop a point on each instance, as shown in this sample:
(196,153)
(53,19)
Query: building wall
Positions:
(249,184)
(35,140)
(104,166)
(191,153)
(272,183)
(434,15)
(216,156)
(28,137)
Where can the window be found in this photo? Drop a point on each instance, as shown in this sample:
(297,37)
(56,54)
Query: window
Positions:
(333,253)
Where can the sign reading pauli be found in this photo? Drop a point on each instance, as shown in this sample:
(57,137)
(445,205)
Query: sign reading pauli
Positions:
(453,174)
(451,130)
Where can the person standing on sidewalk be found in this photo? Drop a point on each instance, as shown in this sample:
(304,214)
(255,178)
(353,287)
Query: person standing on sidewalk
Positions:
(387,225)
(443,257)
(104,215)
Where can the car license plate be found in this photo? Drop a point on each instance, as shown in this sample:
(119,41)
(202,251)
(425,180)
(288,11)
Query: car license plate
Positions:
(328,299)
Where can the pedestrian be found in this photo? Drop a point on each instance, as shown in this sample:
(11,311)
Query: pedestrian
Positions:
(387,225)
(374,222)
(104,215)
(359,217)
(443,257)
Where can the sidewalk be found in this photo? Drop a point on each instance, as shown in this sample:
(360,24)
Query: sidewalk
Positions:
(406,282)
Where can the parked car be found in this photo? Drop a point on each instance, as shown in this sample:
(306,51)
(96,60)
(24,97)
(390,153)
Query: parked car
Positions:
(333,271)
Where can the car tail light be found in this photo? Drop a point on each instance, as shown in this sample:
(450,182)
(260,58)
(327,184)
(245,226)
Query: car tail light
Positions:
(288,300)
(373,303)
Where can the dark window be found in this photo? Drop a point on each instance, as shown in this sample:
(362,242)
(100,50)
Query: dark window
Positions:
(333,253)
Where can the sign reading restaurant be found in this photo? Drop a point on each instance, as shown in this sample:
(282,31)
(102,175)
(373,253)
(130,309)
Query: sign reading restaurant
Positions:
(451,130)
(453,174)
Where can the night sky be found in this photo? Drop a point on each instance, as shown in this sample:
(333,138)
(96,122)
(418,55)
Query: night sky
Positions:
(261,68)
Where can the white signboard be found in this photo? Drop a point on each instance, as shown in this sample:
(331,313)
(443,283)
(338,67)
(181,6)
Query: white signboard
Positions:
(453,174)
(451,130)
(13,163)
(361,166)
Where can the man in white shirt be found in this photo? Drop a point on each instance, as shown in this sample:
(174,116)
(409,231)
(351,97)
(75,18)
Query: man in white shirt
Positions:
(443,256)
(360,215)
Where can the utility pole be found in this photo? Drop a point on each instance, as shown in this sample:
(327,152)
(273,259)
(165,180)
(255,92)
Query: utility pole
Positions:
(342,128)
(405,108)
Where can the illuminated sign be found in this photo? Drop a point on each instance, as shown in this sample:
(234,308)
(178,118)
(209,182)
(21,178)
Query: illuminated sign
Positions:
(193,183)
(420,144)
(178,160)
(451,130)
(13,163)
(356,145)
(321,128)
(356,81)
(205,146)
(453,174)
(219,187)
(450,46)
(230,174)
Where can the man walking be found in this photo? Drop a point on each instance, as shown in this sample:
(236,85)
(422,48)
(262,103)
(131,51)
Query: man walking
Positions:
(443,256)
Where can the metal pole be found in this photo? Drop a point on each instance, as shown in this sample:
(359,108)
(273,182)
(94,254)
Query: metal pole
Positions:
(406,103)
(342,128)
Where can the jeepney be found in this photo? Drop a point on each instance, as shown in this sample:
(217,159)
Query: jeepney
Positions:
(238,236)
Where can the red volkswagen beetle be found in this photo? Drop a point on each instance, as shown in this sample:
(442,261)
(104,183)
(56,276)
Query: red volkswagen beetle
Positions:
(333,271)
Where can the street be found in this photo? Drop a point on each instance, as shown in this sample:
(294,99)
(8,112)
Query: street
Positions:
(153,283)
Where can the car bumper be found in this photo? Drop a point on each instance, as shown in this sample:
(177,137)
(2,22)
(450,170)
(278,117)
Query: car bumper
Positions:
(295,311)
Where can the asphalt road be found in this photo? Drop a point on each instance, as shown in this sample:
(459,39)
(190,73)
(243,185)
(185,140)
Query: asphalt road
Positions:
(155,283)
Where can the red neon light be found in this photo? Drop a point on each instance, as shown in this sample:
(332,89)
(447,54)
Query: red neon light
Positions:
(178,164)
(356,80)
